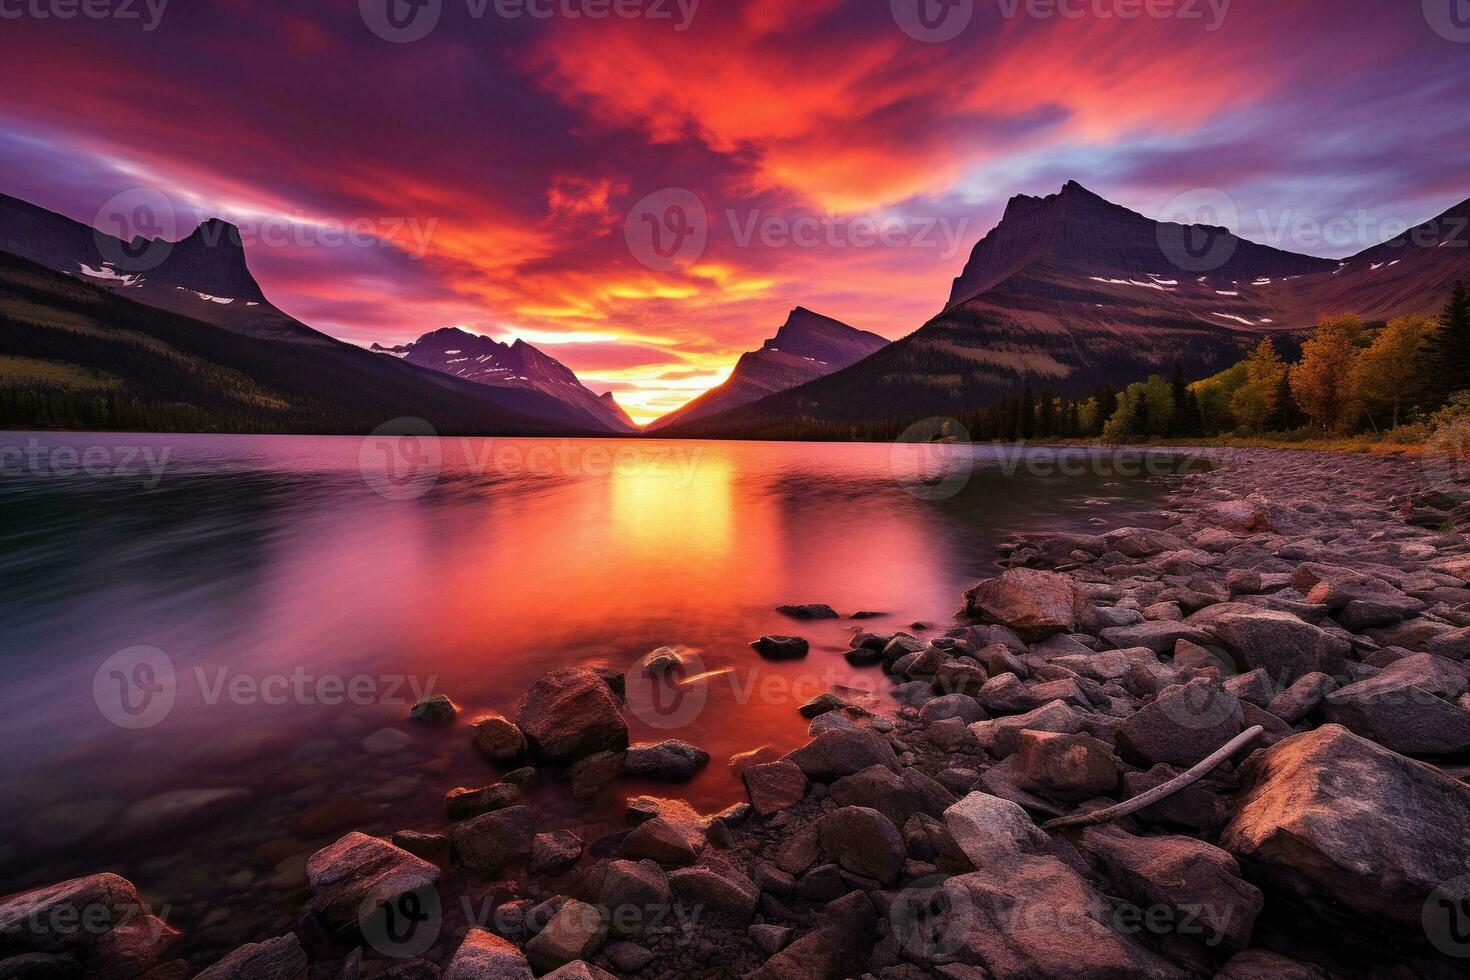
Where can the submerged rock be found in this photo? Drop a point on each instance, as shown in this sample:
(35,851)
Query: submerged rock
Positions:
(777,647)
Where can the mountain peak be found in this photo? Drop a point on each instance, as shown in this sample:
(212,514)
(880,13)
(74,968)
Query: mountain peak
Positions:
(1080,230)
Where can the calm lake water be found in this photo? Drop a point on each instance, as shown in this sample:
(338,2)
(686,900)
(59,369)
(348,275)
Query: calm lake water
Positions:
(212,642)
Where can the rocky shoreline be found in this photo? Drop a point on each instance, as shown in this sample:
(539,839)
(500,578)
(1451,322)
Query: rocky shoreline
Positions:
(1311,607)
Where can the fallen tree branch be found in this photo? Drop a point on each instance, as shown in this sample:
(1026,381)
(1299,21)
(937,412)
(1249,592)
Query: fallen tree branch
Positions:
(1161,791)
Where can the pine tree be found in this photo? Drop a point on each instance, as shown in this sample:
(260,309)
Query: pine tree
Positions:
(1449,348)
(1180,392)
(1284,415)
(1028,414)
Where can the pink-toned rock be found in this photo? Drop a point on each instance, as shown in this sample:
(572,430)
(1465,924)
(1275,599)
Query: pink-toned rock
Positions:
(571,713)
(358,874)
(1034,604)
(774,786)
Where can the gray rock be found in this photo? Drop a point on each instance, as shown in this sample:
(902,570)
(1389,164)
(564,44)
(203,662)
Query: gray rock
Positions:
(810,610)
(1034,604)
(836,754)
(632,893)
(1071,767)
(1349,829)
(358,874)
(775,786)
(498,738)
(461,803)
(1282,644)
(722,889)
(485,956)
(576,932)
(274,959)
(775,647)
(1183,726)
(960,706)
(551,852)
(863,841)
(672,760)
(1302,698)
(490,842)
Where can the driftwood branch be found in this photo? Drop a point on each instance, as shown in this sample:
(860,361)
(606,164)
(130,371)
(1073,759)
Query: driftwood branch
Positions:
(1161,791)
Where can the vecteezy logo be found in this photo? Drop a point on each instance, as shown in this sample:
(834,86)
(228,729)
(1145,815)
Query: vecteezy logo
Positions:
(135,688)
(933,21)
(135,232)
(400,459)
(1192,229)
(929,920)
(932,459)
(671,698)
(667,230)
(1446,917)
(1449,18)
(401,21)
(404,926)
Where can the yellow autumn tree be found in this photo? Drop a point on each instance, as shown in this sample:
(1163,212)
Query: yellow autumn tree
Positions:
(1322,382)
(1391,372)
(1253,401)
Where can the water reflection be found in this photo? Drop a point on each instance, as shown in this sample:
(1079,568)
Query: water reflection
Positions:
(273,577)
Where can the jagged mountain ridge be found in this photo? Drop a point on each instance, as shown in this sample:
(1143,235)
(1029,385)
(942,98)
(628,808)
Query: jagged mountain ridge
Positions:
(1036,304)
(807,346)
(518,365)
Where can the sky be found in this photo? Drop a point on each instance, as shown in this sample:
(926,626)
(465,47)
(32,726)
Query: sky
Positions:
(645,188)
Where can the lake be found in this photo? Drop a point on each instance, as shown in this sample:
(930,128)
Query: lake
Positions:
(213,642)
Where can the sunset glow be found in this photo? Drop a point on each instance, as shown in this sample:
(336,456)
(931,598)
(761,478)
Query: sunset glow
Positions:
(375,212)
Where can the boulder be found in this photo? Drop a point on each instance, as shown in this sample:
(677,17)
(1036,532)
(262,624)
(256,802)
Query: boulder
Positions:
(821,704)
(96,926)
(809,610)
(724,890)
(832,755)
(485,956)
(1198,882)
(632,893)
(863,842)
(571,713)
(1069,767)
(1302,698)
(1405,708)
(774,786)
(551,852)
(1254,687)
(1183,726)
(576,932)
(878,788)
(1001,736)
(1142,542)
(1260,964)
(358,874)
(672,760)
(578,970)
(776,647)
(1158,635)
(490,842)
(590,774)
(497,738)
(1034,604)
(1349,831)
(838,947)
(989,830)
(274,959)
(1285,646)
(1035,918)
(461,803)
(435,709)
(661,840)
(960,706)
(662,660)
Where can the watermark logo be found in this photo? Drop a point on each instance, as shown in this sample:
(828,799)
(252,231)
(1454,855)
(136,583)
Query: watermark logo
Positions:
(135,688)
(1183,10)
(1199,705)
(1192,230)
(668,698)
(149,13)
(135,232)
(667,230)
(929,921)
(1450,19)
(405,926)
(933,21)
(932,459)
(401,459)
(1446,917)
(401,21)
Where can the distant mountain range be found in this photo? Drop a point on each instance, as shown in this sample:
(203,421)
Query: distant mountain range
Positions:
(1070,291)
(1067,292)
(517,365)
(808,346)
(204,281)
